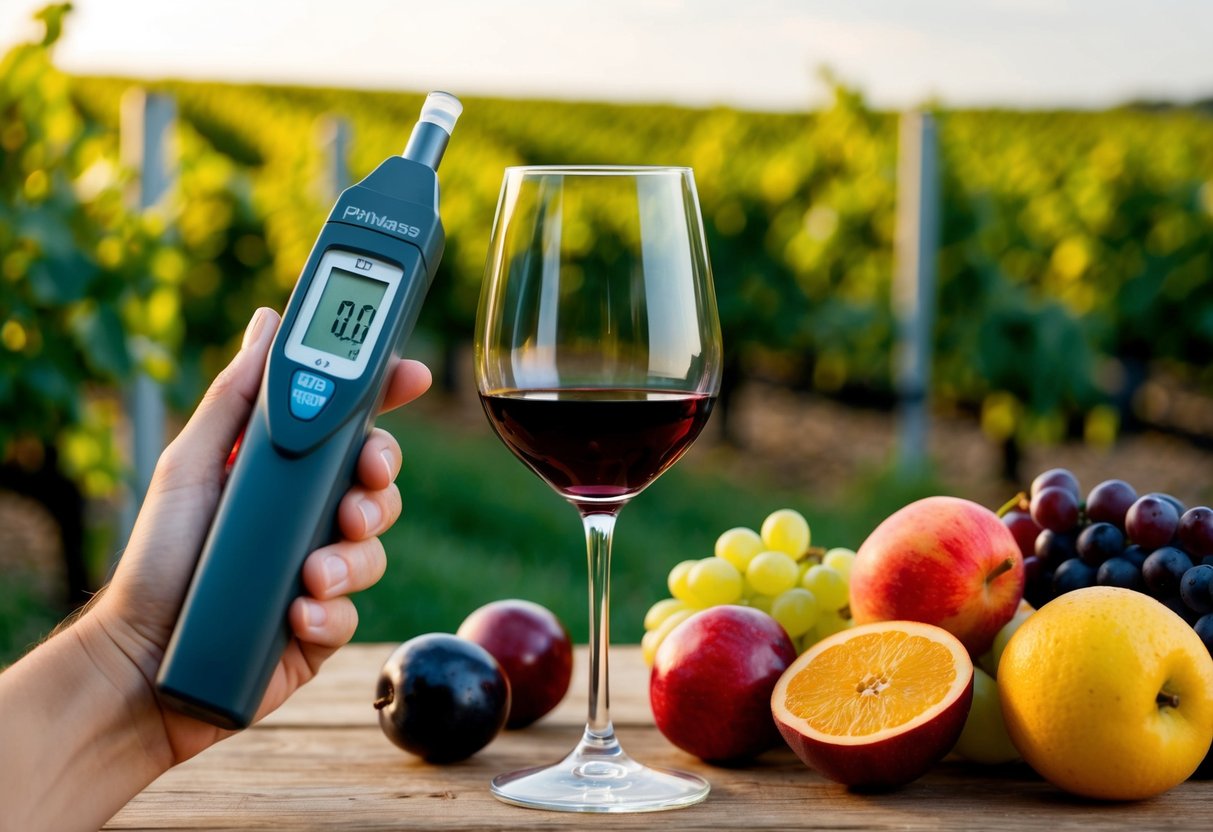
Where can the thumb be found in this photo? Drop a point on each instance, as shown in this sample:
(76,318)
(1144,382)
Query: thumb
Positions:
(202,448)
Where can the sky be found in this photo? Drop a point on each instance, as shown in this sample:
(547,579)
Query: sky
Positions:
(755,54)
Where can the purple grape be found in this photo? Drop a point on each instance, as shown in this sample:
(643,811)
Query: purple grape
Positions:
(1195,589)
(1033,568)
(1039,592)
(1164,569)
(1055,508)
(1151,522)
(1176,605)
(1055,478)
(1180,508)
(1072,575)
(1196,531)
(1054,549)
(1023,528)
(1108,502)
(1120,572)
(1204,629)
(1100,541)
(1135,555)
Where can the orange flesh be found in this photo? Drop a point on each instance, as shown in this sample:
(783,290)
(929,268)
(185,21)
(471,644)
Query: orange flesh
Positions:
(871,683)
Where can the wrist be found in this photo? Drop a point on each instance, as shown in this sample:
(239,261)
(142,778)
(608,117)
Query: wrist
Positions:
(128,664)
(79,734)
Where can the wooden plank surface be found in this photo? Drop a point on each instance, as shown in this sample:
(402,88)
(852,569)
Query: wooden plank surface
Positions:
(322,763)
(343,692)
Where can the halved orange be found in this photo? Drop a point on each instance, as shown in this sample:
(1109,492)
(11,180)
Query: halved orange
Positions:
(876,705)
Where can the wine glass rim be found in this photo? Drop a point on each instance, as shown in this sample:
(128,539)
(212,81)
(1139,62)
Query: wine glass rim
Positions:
(597,170)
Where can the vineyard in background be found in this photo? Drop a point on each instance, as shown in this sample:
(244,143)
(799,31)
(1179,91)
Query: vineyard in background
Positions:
(1075,270)
(1076,253)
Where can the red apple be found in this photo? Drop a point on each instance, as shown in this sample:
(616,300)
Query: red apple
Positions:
(533,649)
(710,688)
(942,561)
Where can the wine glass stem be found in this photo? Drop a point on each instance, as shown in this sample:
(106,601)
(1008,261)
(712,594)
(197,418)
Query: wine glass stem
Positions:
(599,528)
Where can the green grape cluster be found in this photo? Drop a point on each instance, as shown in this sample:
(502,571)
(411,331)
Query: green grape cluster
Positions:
(776,570)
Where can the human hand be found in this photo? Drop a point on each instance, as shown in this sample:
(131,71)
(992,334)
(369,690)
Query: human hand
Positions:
(139,608)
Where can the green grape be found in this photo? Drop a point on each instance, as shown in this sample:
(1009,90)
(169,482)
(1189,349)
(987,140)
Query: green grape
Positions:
(677,581)
(786,531)
(653,638)
(828,624)
(797,610)
(738,546)
(840,560)
(761,602)
(662,610)
(714,581)
(772,572)
(829,587)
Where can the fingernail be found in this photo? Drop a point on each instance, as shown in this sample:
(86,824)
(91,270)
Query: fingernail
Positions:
(390,464)
(314,614)
(335,573)
(255,325)
(370,513)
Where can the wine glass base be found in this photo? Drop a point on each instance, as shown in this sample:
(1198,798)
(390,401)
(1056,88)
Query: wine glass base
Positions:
(597,779)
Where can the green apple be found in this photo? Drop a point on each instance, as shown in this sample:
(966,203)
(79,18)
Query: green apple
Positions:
(1004,635)
(984,738)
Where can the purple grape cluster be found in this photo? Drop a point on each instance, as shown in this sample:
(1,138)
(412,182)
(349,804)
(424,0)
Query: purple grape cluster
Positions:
(1151,543)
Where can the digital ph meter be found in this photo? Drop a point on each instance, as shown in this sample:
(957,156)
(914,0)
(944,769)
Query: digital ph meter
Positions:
(353,308)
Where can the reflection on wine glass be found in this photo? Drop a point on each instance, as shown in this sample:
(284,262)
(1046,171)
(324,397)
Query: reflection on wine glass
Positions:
(598,361)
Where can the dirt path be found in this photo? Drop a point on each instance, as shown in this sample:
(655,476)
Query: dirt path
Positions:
(805,441)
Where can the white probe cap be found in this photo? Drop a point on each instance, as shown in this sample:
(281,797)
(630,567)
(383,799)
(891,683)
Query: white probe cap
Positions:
(443,109)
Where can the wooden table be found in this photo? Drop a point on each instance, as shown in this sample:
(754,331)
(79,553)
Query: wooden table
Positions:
(321,762)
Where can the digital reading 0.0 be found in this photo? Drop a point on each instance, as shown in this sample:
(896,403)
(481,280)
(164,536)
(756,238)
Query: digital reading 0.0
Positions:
(344,314)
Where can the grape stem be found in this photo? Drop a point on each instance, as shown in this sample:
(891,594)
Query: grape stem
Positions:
(1016,503)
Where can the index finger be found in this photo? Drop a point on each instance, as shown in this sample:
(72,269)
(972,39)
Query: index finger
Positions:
(409,379)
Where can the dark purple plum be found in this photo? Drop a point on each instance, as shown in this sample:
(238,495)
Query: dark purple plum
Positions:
(441,697)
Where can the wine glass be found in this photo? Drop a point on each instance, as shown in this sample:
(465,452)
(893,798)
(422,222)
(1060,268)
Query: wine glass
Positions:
(598,361)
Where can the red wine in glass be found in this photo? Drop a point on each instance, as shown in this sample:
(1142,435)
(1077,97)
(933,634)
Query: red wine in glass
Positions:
(597,444)
(598,359)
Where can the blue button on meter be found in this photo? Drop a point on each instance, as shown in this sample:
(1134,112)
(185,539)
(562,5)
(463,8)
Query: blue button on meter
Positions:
(309,394)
